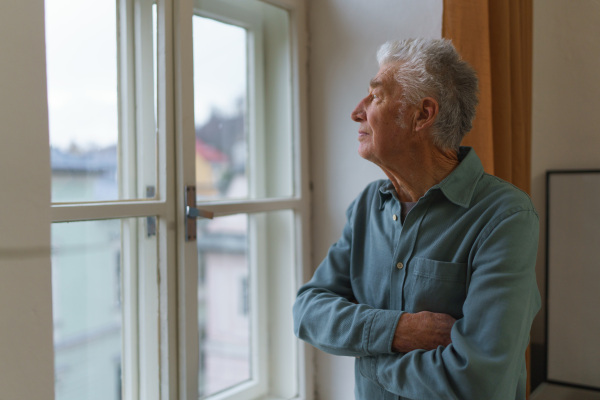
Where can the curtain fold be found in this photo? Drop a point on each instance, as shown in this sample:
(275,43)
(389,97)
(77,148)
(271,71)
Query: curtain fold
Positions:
(496,38)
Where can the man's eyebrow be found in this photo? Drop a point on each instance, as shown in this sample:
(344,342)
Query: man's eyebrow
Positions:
(375,83)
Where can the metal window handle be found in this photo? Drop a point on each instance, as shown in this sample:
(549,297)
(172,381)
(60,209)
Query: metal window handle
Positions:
(191,213)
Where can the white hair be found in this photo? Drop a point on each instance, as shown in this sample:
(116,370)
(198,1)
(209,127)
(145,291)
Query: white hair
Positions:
(433,68)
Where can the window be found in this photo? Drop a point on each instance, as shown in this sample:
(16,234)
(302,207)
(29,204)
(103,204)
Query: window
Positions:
(148,98)
(89,320)
(109,202)
(101,98)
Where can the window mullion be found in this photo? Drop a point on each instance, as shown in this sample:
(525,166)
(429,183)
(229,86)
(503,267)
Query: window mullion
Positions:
(144,186)
(256,112)
(130,278)
(183,358)
(145,133)
(127,165)
(108,210)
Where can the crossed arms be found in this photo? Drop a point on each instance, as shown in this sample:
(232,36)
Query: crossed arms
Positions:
(427,355)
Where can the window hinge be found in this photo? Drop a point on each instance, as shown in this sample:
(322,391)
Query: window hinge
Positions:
(150,221)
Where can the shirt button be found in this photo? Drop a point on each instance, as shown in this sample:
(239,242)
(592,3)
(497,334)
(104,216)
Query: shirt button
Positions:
(395,217)
(399,265)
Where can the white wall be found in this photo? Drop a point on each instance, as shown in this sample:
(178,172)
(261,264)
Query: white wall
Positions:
(566,101)
(26,358)
(344,37)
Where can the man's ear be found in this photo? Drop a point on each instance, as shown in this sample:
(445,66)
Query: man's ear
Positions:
(427,113)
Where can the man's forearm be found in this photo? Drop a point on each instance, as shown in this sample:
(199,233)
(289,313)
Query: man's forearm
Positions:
(424,330)
(341,327)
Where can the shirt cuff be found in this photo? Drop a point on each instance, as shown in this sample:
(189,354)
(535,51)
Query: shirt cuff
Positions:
(381,333)
(367,367)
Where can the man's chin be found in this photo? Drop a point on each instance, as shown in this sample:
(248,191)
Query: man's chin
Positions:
(365,152)
(364,155)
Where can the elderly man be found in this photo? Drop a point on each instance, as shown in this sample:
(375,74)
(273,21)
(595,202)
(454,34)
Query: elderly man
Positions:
(432,285)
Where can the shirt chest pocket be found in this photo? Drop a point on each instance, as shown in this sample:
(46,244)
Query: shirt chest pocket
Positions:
(435,286)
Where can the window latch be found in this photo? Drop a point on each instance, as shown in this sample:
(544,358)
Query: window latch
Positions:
(191,213)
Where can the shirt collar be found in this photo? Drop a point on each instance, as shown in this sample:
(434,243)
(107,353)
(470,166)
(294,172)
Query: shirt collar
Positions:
(386,192)
(458,187)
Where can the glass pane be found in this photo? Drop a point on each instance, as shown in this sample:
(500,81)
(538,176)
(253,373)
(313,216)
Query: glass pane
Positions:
(241,258)
(243,101)
(93,113)
(223,303)
(89,264)
(220,83)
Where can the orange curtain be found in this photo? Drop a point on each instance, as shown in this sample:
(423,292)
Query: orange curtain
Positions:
(496,38)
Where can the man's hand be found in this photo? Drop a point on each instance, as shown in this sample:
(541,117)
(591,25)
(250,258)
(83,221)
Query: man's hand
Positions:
(424,330)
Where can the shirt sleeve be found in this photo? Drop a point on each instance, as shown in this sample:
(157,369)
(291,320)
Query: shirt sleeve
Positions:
(486,356)
(326,316)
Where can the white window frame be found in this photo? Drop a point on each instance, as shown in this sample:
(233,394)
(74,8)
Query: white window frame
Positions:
(280,373)
(160,355)
(143,336)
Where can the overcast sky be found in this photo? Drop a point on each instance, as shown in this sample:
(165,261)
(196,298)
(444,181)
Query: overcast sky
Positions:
(82,71)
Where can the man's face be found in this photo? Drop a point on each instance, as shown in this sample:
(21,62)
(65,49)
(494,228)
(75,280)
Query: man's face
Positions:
(384,127)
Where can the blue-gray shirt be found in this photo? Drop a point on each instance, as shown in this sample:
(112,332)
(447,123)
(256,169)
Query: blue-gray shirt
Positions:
(467,249)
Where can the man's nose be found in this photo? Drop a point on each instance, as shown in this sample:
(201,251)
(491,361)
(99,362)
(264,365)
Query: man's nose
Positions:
(358,114)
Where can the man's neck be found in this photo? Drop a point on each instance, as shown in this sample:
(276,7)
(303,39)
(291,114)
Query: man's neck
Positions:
(413,181)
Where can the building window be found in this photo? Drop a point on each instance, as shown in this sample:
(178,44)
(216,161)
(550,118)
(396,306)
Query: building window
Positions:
(206,318)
